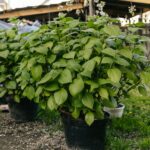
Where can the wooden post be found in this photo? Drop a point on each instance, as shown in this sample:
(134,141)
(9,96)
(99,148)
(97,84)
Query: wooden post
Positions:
(91,8)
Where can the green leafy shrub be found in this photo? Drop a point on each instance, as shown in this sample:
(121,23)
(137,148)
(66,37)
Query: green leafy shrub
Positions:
(82,66)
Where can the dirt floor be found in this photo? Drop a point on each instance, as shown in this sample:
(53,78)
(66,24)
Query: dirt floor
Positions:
(29,136)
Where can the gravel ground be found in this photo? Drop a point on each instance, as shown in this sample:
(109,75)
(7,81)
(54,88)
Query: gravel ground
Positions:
(29,136)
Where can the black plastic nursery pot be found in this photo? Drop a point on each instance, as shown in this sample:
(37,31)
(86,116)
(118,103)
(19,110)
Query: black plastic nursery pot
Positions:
(24,111)
(79,135)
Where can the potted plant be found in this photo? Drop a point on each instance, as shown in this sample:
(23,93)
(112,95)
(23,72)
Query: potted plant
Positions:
(20,108)
(78,68)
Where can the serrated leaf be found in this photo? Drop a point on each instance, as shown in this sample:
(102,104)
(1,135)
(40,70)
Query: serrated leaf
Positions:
(89,118)
(76,86)
(65,77)
(29,92)
(114,75)
(88,100)
(36,72)
(60,96)
(51,103)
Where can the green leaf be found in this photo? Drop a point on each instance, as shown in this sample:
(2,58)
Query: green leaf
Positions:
(51,59)
(110,52)
(69,55)
(51,103)
(126,53)
(50,76)
(11,85)
(3,46)
(17,98)
(74,65)
(25,75)
(102,81)
(36,72)
(48,45)
(38,91)
(65,77)
(10,33)
(87,53)
(112,30)
(52,86)
(114,75)
(145,77)
(122,61)
(107,60)
(41,59)
(142,90)
(89,118)
(3,91)
(29,92)
(31,62)
(2,69)
(60,64)
(93,85)
(60,96)
(103,93)
(88,100)
(91,43)
(41,50)
(88,68)
(4,54)
(58,48)
(76,87)
(3,78)
(76,113)
(99,114)
(77,101)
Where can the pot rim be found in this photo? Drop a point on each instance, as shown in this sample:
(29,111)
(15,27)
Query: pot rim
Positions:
(122,106)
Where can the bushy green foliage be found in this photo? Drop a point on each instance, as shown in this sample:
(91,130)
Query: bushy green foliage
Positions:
(74,65)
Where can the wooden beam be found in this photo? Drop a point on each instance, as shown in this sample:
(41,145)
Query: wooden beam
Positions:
(138,1)
(43,10)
